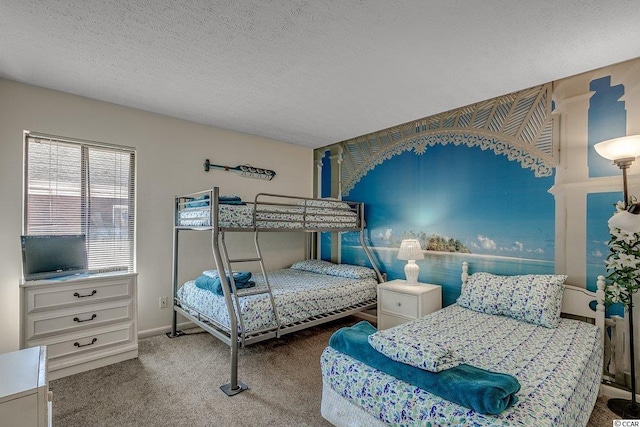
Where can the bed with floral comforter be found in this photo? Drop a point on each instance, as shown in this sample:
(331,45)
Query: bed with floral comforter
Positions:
(507,325)
(307,289)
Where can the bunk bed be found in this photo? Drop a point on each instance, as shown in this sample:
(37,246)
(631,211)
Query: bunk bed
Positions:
(309,293)
(537,369)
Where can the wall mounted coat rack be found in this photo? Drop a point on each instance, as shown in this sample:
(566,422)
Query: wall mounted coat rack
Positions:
(247,171)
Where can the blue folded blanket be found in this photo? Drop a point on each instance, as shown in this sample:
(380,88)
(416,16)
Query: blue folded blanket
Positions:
(483,391)
(198,202)
(212,282)
(230,200)
(201,201)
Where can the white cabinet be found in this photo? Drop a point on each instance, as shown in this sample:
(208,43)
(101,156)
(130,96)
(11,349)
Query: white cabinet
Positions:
(86,322)
(399,303)
(25,400)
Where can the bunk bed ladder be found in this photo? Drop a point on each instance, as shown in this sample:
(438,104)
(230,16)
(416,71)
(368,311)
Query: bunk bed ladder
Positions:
(228,266)
(266,281)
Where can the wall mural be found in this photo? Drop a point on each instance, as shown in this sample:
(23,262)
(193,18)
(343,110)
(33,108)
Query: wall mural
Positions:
(471,184)
(607,118)
(463,204)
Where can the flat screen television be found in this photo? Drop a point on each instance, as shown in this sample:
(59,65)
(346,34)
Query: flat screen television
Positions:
(47,256)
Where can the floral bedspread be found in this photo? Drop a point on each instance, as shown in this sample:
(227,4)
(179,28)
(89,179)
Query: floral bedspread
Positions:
(298,295)
(558,368)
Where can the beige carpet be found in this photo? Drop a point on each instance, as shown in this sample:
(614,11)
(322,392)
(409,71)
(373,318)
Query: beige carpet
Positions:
(175,382)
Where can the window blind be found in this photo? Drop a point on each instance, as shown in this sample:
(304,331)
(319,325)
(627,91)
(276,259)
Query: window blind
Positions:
(82,187)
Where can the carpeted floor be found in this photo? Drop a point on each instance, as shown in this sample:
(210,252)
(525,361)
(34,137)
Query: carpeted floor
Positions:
(175,382)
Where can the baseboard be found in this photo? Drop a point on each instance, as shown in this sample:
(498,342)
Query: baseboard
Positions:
(616,393)
(163,330)
(59,370)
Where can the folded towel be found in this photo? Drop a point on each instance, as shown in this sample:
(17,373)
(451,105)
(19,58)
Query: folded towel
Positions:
(230,200)
(426,353)
(483,391)
(198,202)
(210,281)
(238,276)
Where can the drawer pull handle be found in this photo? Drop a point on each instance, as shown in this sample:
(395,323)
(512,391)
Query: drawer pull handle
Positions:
(77,344)
(75,319)
(398,303)
(88,295)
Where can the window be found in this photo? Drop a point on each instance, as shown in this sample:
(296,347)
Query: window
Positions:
(82,187)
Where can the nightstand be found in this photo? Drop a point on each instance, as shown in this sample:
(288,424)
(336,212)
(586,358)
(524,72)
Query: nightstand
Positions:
(399,303)
(25,399)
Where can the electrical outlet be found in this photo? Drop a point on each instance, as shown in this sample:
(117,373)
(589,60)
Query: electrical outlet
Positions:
(164,302)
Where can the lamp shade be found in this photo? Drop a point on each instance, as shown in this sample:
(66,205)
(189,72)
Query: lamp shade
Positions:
(625,147)
(410,249)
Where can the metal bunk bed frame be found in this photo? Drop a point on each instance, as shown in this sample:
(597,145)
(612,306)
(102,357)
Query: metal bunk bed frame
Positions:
(229,335)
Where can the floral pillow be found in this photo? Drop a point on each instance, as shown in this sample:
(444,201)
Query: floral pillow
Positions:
(341,270)
(533,298)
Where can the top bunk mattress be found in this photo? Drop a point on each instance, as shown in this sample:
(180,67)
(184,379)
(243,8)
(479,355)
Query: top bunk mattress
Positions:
(268,212)
(559,370)
(241,216)
(298,294)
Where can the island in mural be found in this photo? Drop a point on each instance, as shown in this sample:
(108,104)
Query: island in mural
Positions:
(431,242)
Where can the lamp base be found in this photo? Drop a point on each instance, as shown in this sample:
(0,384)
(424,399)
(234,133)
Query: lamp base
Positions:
(411,272)
(624,408)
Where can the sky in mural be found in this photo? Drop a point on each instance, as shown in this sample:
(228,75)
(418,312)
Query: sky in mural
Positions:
(490,204)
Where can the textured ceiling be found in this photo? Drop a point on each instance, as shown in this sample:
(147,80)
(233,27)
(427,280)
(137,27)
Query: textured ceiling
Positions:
(308,72)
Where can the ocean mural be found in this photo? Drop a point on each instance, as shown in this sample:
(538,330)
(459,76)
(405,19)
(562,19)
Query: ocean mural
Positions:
(463,204)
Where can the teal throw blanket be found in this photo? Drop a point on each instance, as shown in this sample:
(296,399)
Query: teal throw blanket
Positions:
(198,202)
(483,391)
(230,200)
(212,282)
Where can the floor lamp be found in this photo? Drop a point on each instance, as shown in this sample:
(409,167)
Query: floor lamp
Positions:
(623,151)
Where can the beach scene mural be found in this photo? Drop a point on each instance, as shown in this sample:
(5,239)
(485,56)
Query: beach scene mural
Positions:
(475,184)
(463,204)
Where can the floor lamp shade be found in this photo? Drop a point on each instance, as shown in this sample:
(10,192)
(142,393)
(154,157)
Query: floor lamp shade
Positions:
(410,251)
(626,147)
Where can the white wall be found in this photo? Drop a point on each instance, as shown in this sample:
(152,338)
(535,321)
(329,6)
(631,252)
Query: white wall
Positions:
(170,154)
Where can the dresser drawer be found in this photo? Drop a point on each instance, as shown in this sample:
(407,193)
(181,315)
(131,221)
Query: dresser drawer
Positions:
(54,296)
(89,340)
(86,316)
(396,303)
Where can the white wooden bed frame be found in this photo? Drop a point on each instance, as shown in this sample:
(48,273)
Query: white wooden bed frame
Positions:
(576,302)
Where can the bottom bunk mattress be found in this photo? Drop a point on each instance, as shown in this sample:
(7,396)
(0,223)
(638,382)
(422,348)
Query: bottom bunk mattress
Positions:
(559,370)
(298,295)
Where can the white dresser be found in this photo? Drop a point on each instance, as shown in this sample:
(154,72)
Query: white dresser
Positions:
(399,303)
(85,321)
(25,400)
